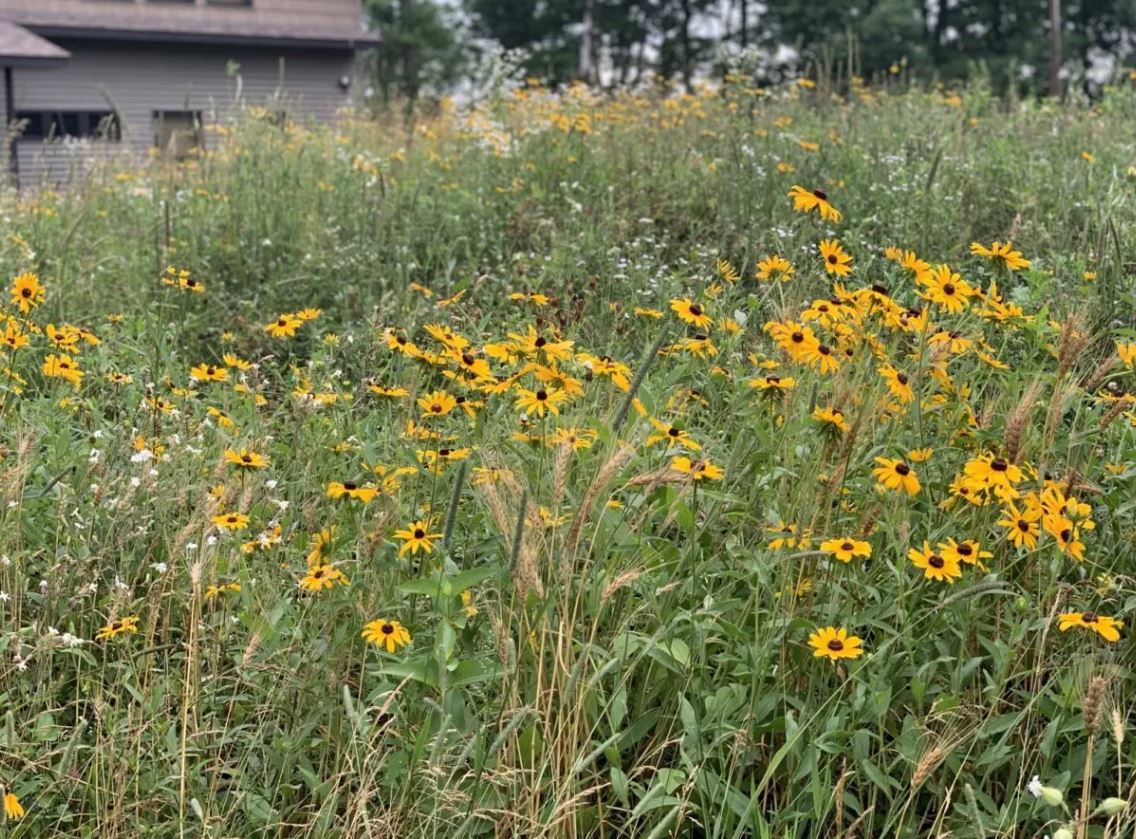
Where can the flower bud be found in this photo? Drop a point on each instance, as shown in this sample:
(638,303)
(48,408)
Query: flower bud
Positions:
(1112,806)
(1052,797)
(1063,833)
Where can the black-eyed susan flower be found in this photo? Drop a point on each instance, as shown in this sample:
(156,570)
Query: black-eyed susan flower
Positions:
(63,367)
(577,439)
(894,474)
(836,260)
(697,469)
(416,537)
(805,201)
(967,552)
(1022,525)
(845,548)
(231,521)
(947,289)
(118,627)
(246,459)
(320,577)
(209,373)
(997,475)
(835,643)
(1002,253)
(27,292)
(349,489)
(212,592)
(386,634)
(640,311)
(1126,352)
(793,338)
(671,435)
(821,357)
(236,362)
(935,565)
(13,810)
(898,383)
(1106,627)
(773,383)
(540,401)
(830,418)
(775,268)
(920,455)
(437,404)
(391,392)
(691,312)
(285,326)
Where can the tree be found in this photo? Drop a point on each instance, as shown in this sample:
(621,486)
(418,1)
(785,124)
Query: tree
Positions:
(420,48)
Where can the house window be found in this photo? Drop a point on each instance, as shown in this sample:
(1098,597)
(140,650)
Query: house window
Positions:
(178,133)
(57,125)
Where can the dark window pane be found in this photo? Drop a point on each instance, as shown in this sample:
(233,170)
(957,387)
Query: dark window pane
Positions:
(57,125)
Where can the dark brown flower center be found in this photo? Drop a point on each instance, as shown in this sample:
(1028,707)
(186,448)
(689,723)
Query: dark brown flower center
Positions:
(25,292)
(281,322)
(847,546)
(467,359)
(836,645)
(1023,525)
(902,469)
(948,289)
(999,465)
(935,561)
(419,533)
(696,310)
(350,486)
(824,349)
(1090,617)
(819,194)
(965,550)
(1065,534)
(539,342)
(541,395)
(773,380)
(832,259)
(901,378)
(797,337)
(386,629)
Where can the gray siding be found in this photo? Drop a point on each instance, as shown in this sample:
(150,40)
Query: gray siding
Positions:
(136,80)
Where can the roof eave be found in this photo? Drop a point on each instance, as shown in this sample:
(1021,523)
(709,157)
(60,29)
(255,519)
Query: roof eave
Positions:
(37,63)
(364,40)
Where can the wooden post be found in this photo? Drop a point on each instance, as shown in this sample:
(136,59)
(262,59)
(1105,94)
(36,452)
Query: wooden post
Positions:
(10,117)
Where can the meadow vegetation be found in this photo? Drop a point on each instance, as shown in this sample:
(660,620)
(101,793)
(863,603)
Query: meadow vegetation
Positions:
(744,463)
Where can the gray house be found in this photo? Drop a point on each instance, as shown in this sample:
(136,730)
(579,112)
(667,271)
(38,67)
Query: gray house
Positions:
(85,78)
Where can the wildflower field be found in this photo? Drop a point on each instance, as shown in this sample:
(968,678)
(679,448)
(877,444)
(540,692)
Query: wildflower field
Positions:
(733,464)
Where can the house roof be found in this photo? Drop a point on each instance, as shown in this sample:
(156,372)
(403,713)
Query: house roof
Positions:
(21,48)
(308,23)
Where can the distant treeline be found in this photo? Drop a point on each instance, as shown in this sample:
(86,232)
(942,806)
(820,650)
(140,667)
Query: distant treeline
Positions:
(435,45)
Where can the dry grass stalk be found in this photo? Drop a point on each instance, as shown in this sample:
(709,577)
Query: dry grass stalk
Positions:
(1118,408)
(1093,704)
(928,762)
(560,473)
(1073,341)
(603,477)
(1098,373)
(624,578)
(1018,421)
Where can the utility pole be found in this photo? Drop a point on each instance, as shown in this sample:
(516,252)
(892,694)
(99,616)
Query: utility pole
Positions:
(1055,48)
(745,23)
